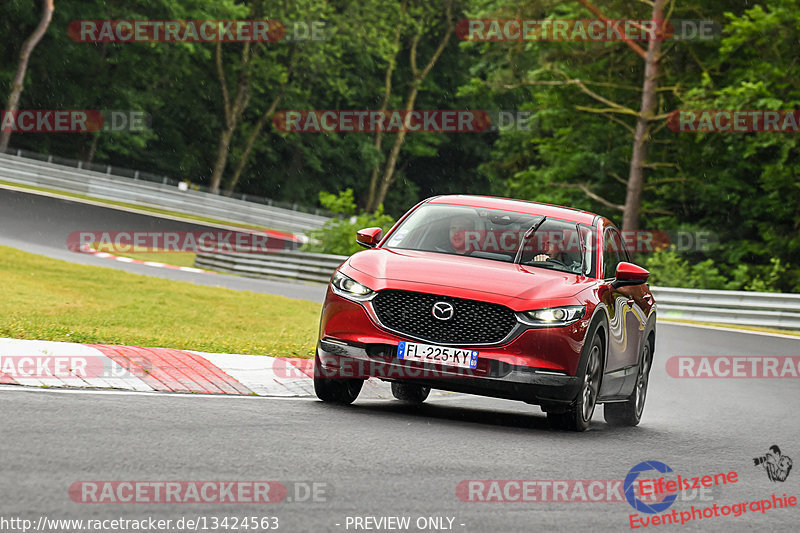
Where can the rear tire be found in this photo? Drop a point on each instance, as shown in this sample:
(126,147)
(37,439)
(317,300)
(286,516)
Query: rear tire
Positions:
(343,391)
(410,393)
(629,412)
(579,414)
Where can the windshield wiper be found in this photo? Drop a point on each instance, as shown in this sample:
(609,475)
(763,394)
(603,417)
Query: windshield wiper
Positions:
(528,235)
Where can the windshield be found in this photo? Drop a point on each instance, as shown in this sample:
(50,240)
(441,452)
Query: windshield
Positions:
(496,235)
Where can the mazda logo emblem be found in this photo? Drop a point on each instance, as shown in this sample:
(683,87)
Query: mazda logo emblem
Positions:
(443,311)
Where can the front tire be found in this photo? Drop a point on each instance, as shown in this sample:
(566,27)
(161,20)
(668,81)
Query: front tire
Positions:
(342,391)
(410,393)
(579,414)
(629,412)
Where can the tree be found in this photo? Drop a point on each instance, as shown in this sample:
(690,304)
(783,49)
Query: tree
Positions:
(420,23)
(24,55)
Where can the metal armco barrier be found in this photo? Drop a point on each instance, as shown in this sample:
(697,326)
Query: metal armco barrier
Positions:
(765,309)
(151,194)
(301,266)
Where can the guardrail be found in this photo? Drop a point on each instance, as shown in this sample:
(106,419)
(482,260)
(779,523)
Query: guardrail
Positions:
(301,266)
(163,195)
(765,309)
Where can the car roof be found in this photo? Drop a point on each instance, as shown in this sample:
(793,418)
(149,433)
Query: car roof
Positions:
(518,206)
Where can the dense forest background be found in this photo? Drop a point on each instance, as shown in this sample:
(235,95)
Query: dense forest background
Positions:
(589,114)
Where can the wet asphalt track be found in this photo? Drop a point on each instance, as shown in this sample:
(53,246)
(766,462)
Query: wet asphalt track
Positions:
(378,457)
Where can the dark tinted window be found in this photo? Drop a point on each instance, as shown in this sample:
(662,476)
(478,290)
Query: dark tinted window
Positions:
(613,253)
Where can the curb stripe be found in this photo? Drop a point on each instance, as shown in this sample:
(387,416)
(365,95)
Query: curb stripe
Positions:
(223,380)
(7,380)
(87,249)
(153,376)
(176,370)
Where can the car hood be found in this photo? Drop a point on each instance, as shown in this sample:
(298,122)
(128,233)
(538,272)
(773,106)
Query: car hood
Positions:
(416,270)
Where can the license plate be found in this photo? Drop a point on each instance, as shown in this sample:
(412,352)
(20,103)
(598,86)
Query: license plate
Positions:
(443,355)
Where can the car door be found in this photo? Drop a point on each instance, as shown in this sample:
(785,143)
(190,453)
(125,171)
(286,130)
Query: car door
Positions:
(626,314)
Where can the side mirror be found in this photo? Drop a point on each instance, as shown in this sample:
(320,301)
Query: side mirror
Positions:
(628,275)
(369,237)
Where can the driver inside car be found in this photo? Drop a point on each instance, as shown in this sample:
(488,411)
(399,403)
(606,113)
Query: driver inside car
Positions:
(551,250)
(456,228)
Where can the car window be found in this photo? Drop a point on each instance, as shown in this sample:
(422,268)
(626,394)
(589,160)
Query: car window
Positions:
(495,235)
(613,253)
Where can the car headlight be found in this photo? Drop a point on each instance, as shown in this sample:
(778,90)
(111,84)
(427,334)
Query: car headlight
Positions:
(553,316)
(351,289)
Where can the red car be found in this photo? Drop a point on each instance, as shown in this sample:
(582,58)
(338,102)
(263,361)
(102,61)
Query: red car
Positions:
(495,297)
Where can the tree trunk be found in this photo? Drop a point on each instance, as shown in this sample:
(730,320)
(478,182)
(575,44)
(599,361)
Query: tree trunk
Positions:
(223,148)
(262,121)
(641,139)
(388,174)
(24,55)
(370,205)
(92,148)
(419,76)
(233,112)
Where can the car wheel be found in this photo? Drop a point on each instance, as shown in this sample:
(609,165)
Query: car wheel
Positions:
(410,393)
(343,391)
(579,414)
(629,412)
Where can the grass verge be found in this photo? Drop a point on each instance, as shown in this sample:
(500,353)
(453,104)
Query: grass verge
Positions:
(55,300)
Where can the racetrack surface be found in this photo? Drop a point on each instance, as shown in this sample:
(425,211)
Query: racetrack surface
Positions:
(381,458)
(40,224)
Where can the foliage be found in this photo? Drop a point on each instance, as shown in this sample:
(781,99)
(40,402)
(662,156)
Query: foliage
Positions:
(338,236)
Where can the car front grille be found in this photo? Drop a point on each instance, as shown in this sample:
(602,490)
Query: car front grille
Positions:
(473,322)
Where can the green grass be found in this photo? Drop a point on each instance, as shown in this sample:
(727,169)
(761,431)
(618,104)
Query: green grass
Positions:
(170,258)
(135,206)
(54,300)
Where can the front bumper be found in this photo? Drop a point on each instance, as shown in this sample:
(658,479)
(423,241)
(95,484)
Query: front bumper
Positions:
(534,365)
(338,359)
